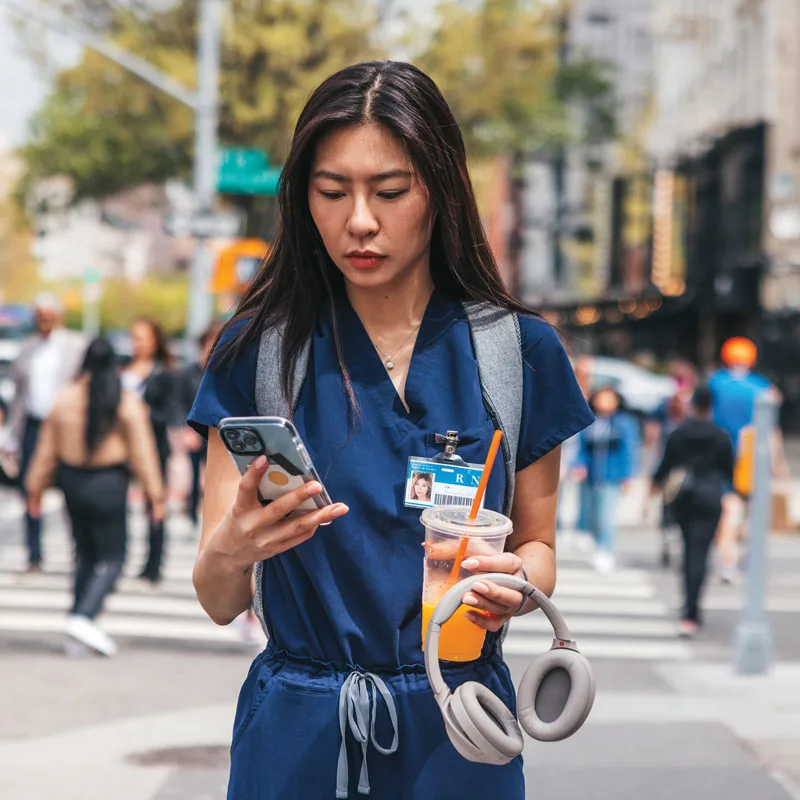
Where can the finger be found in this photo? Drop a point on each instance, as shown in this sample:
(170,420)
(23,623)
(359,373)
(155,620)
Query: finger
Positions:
(480,603)
(284,505)
(491,622)
(292,532)
(247,496)
(506,599)
(509,563)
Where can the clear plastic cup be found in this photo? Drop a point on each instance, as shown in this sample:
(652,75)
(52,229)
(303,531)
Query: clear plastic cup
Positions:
(445,528)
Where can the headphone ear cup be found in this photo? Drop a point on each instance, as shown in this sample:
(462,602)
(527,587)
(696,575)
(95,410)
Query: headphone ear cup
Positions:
(480,726)
(556,695)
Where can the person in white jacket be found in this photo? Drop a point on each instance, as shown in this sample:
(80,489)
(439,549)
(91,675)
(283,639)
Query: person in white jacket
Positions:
(48,360)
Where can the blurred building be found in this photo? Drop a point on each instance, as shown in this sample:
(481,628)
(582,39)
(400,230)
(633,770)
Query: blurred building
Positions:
(585,227)
(121,236)
(726,148)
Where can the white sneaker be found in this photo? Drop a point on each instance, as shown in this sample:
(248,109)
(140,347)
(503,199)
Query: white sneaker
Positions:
(86,632)
(585,543)
(603,562)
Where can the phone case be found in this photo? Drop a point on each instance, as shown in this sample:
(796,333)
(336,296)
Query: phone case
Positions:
(290,465)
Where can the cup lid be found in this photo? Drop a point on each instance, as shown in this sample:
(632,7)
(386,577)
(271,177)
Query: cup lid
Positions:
(455,520)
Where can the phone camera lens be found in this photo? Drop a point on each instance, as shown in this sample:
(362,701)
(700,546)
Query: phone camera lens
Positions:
(237,447)
(250,440)
(232,435)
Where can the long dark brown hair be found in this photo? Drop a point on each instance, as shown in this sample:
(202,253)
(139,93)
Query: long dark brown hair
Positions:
(298,277)
(101,366)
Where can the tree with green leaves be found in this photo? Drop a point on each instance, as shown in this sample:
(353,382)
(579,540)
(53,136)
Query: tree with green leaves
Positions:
(109,130)
(498,64)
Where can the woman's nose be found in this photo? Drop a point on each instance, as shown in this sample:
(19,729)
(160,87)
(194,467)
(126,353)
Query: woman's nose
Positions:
(362,221)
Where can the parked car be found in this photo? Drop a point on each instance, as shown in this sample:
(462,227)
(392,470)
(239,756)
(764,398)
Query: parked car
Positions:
(641,390)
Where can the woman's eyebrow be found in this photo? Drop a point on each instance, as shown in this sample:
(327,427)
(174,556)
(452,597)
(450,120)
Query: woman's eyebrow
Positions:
(381,176)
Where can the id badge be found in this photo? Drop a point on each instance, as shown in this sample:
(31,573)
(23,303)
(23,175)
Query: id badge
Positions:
(439,483)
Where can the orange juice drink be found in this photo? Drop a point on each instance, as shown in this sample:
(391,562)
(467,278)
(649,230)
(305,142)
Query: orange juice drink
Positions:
(461,639)
(445,528)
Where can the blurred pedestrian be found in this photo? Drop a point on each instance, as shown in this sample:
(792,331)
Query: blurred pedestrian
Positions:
(734,389)
(698,462)
(669,415)
(95,435)
(149,375)
(606,463)
(50,358)
(379,249)
(578,492)
(188,383)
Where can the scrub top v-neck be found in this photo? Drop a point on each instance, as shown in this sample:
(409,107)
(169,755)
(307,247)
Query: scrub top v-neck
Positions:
(351,594)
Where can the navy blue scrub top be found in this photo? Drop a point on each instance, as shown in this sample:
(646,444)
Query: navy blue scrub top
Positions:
(352,593)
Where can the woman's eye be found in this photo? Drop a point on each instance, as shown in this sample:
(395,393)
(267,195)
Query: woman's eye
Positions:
(392,195)
(332,195)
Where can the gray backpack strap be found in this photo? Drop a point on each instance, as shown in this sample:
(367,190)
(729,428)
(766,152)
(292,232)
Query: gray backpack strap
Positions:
(498,348)
(271,402)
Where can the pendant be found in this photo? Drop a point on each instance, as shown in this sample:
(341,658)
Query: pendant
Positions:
(389,364)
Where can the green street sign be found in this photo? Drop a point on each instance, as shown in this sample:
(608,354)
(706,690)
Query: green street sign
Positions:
(243,170)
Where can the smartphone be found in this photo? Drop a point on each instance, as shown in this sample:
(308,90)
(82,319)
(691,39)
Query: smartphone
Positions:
(247,438)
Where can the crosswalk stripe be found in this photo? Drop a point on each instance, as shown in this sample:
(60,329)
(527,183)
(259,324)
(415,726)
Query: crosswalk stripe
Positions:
(606,626)
(52,580)
(132,626)
(637,649)
(116,603)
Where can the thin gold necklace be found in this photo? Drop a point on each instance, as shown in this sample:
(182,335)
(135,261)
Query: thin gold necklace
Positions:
(389,360)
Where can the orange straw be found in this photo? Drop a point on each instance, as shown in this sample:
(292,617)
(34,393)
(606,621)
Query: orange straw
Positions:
(476,503)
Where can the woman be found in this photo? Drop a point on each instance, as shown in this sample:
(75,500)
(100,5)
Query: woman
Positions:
(606,461)
(148,375)
(94,435)
(704,453)
(421,487)
(674,411)
(379,243)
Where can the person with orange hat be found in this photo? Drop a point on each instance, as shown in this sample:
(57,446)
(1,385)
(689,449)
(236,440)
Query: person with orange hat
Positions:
(734,390)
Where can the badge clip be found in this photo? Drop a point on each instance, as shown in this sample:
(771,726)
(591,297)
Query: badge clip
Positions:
(450,441)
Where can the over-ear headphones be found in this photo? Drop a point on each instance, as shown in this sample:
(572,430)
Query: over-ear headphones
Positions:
(554,698)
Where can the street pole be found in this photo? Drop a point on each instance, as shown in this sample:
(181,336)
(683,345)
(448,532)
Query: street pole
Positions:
(753,640)
(209,46)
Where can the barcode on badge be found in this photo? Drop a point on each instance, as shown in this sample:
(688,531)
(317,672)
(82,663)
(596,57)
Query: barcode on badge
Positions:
(451,500)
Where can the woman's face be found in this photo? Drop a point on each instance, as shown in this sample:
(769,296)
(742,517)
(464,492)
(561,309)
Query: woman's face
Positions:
(605,402)
(370,209)
(143,340)
(421,489)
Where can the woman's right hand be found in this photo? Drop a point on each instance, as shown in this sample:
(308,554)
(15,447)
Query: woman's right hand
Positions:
(251,532)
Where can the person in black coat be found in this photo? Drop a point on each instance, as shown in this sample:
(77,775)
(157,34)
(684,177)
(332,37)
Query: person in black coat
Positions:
(149,374)
(695,472)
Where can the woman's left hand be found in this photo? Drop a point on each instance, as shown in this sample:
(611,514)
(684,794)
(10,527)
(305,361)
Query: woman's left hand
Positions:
(494,605)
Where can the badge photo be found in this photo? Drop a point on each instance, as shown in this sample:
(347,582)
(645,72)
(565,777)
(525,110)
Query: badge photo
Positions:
(422,488)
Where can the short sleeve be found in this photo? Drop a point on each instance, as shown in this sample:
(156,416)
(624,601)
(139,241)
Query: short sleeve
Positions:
(227,389)
(553,406)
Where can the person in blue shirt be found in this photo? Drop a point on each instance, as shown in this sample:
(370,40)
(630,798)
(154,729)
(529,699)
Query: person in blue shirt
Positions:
(607,461)
(379,244)
(734,389)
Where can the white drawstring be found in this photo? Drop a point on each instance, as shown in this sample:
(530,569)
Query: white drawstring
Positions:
(358,706)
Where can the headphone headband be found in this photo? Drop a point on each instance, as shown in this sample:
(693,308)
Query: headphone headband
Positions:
(449,604)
